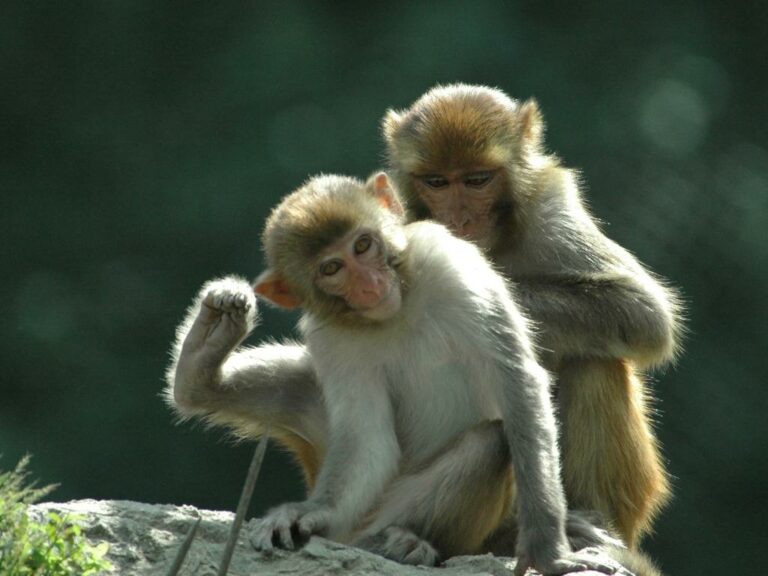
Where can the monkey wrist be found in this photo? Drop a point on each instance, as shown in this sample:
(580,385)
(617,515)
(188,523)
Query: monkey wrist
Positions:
(321,498)
(543,545)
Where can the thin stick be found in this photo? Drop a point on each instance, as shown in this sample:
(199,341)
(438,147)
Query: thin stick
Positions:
(184,549)
(242,505)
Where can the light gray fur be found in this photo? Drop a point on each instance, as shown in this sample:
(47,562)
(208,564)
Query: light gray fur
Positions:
(588,296)
(249,388)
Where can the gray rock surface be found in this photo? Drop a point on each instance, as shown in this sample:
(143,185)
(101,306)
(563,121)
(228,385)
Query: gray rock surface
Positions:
(144,539)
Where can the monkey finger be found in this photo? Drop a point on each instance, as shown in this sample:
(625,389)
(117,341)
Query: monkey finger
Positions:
(229,302)
(521,567)
(596,559)
(422,555)
(241,302)
(208,310)
(552,568)
(286,538)
(560,567)
(261,539)
(313,523)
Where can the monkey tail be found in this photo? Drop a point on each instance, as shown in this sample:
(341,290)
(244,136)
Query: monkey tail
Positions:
(612,461)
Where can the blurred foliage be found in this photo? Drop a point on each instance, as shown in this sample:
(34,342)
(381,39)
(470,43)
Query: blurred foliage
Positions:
(143,143)
(46,545)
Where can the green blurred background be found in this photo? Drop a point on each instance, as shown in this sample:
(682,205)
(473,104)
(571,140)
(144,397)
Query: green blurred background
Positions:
(143,143)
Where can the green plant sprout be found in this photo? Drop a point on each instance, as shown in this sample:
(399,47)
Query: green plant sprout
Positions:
(51,545)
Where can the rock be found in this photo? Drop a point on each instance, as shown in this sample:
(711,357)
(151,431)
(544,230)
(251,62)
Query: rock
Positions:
(144,539)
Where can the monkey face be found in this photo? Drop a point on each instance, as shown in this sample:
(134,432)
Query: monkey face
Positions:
(335,249)
(355,268)
(463,200)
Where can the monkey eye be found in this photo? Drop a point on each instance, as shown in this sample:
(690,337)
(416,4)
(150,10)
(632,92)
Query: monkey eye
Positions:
(479,179)
(331,267)
(362,244)
(435,182)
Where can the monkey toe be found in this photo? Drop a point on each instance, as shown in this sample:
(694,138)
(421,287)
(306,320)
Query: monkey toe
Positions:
(596,560)
(584,529)
(314,523)
(580,563)
(262,540)
(422,555)
(268,536)
(402,546)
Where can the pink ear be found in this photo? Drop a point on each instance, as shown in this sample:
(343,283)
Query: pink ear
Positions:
(385,195)
(273,287)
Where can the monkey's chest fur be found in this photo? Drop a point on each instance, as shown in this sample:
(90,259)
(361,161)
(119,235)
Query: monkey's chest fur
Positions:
(434,383)
(439,402)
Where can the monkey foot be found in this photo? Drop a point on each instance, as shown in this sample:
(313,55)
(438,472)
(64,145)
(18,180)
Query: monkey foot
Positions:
(400,545)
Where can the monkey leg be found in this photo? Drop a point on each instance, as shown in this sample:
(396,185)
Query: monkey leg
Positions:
(453,503)
(611,458)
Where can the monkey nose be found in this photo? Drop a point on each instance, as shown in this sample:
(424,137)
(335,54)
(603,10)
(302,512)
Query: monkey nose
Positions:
(460,224)
(374,288)
(371,286)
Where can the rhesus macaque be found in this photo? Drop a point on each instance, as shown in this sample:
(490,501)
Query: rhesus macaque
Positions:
(473,159)
(429,381)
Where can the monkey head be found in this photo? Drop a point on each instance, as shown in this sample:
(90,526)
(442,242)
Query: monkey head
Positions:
(334,247)
(464,156)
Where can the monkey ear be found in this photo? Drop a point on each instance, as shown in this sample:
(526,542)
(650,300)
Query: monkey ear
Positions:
(274,288)
(390,124)
(384,193)
(531,122)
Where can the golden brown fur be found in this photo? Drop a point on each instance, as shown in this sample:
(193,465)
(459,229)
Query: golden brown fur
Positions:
(612,462)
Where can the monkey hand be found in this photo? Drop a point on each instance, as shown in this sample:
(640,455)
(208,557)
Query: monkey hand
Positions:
(585,529)
(226,315)
(557,560)
(290,524)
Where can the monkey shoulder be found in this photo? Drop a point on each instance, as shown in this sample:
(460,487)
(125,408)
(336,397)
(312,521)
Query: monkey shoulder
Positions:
(560,235)
(454,283)
(442,259)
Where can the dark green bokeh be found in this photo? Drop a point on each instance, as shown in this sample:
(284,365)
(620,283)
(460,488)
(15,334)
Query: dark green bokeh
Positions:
(143,144)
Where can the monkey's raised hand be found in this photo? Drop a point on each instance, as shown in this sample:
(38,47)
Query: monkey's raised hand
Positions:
(289,522)
(227,313)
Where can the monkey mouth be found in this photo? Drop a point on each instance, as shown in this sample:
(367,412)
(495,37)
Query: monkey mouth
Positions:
(380,299)
(387,306)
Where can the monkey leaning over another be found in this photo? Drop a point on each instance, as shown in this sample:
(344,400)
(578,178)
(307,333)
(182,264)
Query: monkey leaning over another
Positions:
(431,389)
(473,159)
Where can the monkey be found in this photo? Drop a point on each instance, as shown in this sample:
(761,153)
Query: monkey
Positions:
(427,375)
(473,159)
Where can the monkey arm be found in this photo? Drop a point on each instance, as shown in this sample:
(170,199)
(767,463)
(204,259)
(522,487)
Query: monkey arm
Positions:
(589,296)
(363,455)
(531,432)
(246,389)
(602,314)
(269,385)
(363,451)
